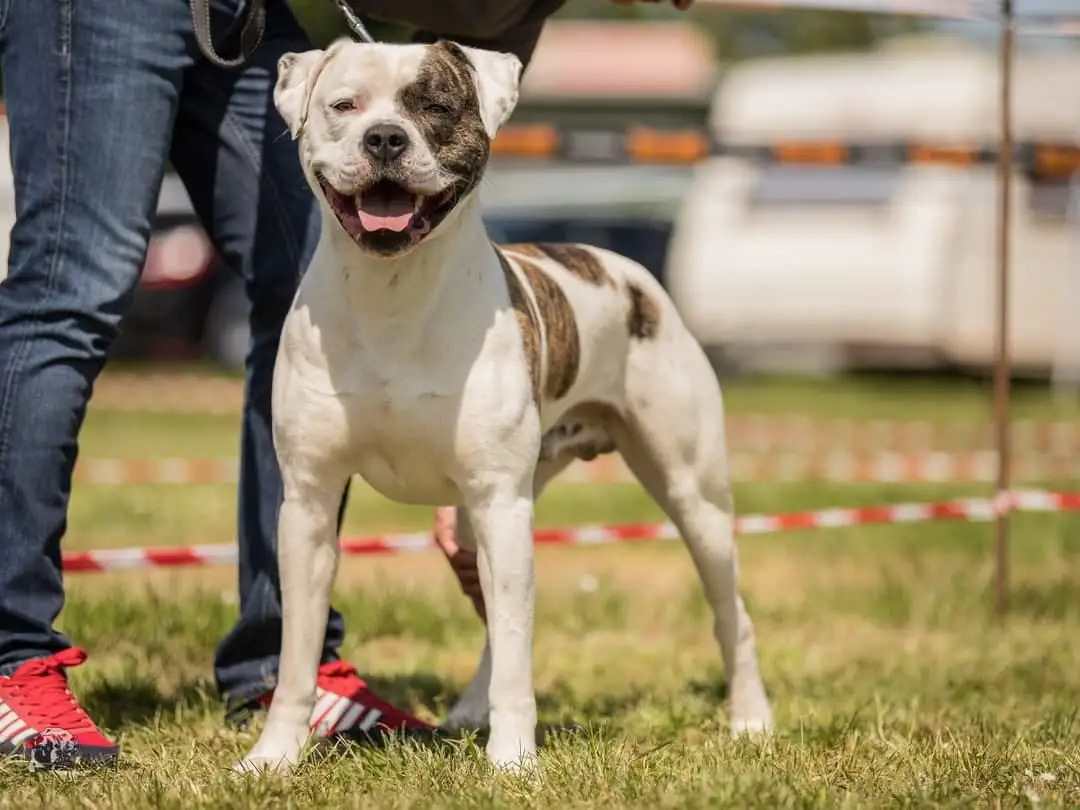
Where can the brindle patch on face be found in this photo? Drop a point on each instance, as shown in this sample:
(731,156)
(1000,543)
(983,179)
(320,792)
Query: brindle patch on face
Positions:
(643,319)
(527,324)
(444,104)
(563,342)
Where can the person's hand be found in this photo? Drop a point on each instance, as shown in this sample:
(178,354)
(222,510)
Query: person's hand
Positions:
(462,562)
(681,5)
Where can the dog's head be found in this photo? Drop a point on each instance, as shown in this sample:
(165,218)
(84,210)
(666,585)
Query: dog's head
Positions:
(394,138)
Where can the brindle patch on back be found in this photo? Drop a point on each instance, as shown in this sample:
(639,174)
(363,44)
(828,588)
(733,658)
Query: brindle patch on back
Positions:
(580,261)
(643,319)
(560,327)
(526,319)
(444,104)
(525,249)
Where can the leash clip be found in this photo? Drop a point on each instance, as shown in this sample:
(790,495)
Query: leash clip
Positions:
(354,21)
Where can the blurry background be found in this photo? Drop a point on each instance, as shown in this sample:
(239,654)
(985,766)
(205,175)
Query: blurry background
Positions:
(776,267)
(849,311)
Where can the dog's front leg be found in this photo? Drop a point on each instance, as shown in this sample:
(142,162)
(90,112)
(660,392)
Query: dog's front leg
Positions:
(501,520)
(308,553)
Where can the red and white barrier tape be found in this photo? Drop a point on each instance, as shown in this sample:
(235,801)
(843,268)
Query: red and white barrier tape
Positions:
(840,467)
(973,509)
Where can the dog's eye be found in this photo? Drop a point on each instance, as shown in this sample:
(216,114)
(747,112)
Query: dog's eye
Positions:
(437,109)
(343,106)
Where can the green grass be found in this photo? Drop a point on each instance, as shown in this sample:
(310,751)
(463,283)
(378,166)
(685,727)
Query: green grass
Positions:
(892,682)
(872,396)
(142,435)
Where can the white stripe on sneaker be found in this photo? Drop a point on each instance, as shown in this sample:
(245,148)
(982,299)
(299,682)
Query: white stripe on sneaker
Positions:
(351,716)
(11,729)
(23,736)
(9,722)
(322,706)
(370,720)
(319,721)
(329,721)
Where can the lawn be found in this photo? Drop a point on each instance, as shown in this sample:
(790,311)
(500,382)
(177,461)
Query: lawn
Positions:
(893,684)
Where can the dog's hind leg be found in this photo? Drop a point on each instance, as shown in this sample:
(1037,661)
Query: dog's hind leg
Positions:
(308,554)
(673,441)
(472,709)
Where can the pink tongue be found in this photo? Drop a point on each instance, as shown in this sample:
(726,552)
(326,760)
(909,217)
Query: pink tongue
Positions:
(380,212)
(376,222)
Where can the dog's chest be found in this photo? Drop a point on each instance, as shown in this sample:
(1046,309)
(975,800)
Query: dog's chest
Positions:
(401,431)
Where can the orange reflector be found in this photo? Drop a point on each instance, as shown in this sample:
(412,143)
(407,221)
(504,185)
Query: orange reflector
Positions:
(810,153)
(1057,161)
(950,155)
(675,146)
(527,140)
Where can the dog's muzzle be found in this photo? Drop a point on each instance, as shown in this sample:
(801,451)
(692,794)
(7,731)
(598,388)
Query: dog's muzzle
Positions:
(386,207)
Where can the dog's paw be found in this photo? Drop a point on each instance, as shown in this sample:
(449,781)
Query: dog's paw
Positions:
(514,758)
(753,727)
(260,765)
(269,759)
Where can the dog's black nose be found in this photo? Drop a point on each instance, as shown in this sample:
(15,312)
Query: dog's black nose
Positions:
(386,142)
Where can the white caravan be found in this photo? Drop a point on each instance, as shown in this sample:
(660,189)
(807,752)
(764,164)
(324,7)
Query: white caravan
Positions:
(887,264)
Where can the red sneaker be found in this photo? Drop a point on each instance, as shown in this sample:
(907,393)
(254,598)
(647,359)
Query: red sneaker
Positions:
(42,721)
(344,705)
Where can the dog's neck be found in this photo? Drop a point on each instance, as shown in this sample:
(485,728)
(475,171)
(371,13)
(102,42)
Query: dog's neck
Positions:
(398,293)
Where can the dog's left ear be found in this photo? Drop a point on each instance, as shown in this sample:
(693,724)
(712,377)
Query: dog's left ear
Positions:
(498,76)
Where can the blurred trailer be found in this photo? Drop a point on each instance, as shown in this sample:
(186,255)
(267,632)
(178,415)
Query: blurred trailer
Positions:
(589,81)
(878,261)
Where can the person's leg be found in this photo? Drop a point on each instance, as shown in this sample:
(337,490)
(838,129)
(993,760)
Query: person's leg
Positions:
(243,174)
(244,181)
(91,92)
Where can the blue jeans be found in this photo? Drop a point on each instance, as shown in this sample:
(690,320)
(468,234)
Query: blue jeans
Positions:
(100,95)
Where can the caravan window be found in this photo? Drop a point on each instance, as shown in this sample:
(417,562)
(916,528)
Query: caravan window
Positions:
(783,186)
(1054,200)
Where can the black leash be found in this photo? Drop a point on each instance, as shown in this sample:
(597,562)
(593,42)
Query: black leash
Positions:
(253,29)
(250,35)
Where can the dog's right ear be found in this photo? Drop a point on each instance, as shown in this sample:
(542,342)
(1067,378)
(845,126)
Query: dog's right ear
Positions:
(297,74)
(296,77)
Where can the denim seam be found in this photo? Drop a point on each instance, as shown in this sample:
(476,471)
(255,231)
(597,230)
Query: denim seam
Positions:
(53,260)
(278,207)
(230,120)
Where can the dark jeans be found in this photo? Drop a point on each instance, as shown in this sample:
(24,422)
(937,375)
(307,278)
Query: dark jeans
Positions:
(100,94)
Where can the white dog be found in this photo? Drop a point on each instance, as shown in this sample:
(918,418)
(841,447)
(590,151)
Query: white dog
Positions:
(445,370)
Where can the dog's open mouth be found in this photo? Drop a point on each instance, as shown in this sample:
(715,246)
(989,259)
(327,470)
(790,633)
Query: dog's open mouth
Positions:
(387,207)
